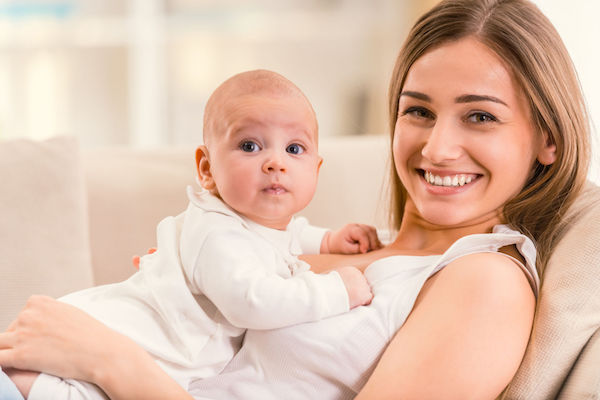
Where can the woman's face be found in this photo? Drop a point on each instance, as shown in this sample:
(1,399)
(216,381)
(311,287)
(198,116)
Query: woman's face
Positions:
(464,141)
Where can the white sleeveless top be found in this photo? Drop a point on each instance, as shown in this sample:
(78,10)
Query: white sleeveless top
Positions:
(333,358)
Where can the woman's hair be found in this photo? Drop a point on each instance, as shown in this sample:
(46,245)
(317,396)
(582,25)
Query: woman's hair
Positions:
(518,32)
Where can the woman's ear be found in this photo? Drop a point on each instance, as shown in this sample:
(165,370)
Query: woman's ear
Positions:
(203,168)
(547,153)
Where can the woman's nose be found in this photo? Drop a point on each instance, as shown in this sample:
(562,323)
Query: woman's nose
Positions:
(274,163)
(442,144)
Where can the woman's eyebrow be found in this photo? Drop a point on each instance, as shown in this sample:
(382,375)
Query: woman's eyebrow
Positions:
(416,95)
(470,98)
(466,98)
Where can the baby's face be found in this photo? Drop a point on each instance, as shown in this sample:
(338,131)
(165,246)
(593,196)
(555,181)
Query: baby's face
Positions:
(264,157)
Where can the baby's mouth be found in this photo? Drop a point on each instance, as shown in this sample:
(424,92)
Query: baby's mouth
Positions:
(275,189)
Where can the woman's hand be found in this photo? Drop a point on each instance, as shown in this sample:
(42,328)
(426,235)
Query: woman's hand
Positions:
(57,338)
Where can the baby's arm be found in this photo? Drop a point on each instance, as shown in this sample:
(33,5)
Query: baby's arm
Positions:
(253,291)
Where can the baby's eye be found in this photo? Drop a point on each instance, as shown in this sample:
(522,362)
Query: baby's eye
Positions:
(481,117)
(295,148)
(249,146)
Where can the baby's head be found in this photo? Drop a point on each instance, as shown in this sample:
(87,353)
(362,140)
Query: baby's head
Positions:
(260,152)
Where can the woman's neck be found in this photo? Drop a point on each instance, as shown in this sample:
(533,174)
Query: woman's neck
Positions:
(418,235)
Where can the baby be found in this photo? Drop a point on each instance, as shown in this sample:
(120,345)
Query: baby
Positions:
(229,262)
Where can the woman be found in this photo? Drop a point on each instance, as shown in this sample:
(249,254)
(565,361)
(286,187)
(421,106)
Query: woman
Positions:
(488,128)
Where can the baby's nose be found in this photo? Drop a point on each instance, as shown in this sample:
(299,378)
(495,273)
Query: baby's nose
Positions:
(274,163)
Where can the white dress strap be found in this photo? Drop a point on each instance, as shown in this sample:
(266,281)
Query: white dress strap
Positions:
(501,236)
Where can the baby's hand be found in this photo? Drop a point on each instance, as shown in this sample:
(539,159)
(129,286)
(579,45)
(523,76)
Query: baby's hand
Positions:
(136,259)
(351,239)
(359,291)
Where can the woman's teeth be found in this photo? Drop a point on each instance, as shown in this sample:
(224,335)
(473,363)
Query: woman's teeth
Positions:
(454,180)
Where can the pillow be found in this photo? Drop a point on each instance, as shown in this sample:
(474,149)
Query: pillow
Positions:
(43,229)
(568,309)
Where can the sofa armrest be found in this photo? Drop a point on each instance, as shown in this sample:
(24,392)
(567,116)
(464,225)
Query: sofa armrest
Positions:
(568,308)
(583,381)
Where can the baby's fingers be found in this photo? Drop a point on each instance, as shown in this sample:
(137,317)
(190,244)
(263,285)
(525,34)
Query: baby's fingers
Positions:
(371,233)
(135,260)
(366,237)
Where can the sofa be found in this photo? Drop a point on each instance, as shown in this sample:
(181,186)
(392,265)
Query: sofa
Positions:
(73,217)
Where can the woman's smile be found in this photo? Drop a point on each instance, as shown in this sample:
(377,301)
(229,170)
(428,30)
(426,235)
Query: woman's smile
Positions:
(448,179)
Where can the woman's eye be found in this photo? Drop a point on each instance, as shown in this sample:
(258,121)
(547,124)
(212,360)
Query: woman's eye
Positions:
(249,146)
(295,149)
(418,112)
(481,118)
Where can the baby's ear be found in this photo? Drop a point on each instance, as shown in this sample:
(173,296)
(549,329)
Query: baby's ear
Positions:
(547,152)
(203,168)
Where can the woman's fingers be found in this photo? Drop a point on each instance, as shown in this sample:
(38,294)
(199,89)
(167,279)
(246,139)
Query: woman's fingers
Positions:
(42,335)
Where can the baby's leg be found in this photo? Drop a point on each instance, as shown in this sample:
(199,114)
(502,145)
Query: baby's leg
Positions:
(49,387)
(22,379)
(8,389)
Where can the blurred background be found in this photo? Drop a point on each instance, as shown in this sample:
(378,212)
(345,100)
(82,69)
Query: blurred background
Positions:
(139,72)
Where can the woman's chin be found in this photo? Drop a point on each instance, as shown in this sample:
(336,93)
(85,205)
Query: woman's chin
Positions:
(449,219)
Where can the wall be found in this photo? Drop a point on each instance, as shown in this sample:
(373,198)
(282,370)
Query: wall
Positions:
(577,23)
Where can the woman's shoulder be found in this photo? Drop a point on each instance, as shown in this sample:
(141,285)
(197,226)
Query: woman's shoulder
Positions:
(489,253)
(488,276)
(483,289)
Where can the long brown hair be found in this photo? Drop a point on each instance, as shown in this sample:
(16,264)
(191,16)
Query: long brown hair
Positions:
(518,32)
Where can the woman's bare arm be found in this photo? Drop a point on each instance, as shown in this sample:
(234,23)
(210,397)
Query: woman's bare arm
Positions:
(465,337)
(60,339)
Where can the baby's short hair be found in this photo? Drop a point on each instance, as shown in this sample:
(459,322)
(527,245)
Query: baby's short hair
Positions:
(258,81)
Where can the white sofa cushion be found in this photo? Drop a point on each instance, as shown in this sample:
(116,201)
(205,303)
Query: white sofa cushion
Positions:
(129,192)
(43,229)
